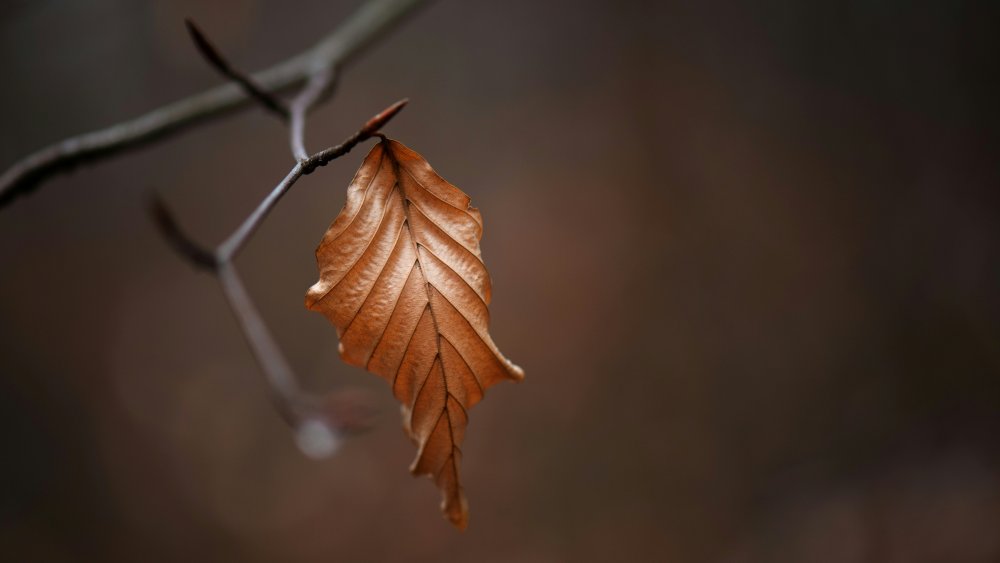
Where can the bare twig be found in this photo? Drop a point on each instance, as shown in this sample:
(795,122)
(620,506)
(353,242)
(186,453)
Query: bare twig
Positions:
(368,130)
(319,84)
(372,19)
(251,89)
(280,378)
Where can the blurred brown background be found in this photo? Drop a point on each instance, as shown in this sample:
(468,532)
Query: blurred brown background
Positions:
(747,253)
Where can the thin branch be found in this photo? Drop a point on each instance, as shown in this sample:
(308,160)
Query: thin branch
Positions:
(318,424)
(368,130)
(318,86)
(208,50)
(235,242)
(372,19)
(280,378)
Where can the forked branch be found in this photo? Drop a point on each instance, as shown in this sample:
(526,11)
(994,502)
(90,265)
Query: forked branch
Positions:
(371,20)
(318,427)
(231,246)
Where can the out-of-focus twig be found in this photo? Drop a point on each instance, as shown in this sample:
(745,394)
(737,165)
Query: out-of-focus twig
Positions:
(371,20)
(321,82)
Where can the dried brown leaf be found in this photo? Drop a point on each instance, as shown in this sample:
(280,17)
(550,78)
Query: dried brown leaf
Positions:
(403,280)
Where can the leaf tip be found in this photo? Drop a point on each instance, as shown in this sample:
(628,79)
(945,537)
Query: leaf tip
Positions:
(516,373)
(461,522)
(457,514)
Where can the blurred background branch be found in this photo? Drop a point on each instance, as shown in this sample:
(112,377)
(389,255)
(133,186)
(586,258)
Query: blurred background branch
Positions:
(371,20)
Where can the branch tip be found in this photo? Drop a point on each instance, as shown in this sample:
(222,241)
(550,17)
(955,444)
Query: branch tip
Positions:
(215,58)
(383,117)
(205,47)
(171,231)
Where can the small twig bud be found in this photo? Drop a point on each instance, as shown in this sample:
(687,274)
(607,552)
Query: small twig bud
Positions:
(383,117)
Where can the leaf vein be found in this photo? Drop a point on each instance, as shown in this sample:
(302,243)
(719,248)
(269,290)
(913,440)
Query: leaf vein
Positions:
(449,268)
(368,245)
(409,341)
(364,200)
(384,328)
(381,270)
(448,203)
